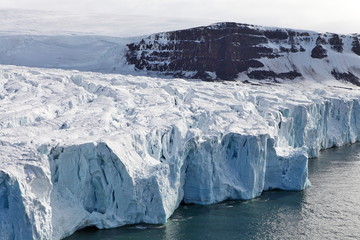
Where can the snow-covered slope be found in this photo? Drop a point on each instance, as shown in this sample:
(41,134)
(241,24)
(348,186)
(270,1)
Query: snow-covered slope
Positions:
(88,149)
(91,53)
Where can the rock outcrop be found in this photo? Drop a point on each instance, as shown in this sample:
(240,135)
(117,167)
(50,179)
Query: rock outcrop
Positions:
(230,51)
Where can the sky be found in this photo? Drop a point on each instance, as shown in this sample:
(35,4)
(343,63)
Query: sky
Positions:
(324,16)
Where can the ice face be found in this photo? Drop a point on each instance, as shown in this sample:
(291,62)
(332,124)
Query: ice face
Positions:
(14,223)
(142,145)
(232,168)
(24,209)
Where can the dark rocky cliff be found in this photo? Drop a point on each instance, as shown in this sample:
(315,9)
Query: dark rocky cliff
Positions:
(223,51)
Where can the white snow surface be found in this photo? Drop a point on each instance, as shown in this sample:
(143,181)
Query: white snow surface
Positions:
(84,149)
(88,149)
(48,23)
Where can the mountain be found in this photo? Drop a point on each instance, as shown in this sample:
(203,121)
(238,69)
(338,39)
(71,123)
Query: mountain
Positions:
(231,51)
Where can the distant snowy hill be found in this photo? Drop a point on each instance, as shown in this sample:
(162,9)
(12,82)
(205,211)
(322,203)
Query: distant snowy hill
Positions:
(92,42)
(84,148)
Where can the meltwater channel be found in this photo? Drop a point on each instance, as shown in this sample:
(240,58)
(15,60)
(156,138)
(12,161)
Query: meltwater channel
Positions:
(330,209)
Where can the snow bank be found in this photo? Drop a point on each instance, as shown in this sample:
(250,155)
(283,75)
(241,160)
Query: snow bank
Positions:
(89,149)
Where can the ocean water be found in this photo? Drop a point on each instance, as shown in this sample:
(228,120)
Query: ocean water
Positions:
(329,209)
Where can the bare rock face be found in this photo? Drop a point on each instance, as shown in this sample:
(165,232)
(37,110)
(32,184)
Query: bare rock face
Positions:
(229,51)
(225,49)
(347,76)
(319,52)
(336,43)
(356,46)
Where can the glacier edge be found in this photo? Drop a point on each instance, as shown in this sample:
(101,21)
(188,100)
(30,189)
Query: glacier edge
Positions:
(230,142)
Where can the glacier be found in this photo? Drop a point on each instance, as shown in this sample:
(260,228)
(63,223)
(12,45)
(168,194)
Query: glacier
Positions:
(85,149)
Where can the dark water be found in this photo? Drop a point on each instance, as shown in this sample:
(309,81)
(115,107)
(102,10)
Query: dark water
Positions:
(330,209)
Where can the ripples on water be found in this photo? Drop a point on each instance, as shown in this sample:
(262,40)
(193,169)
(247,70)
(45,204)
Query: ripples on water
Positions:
(330,209)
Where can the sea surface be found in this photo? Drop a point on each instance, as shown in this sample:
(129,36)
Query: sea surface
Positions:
(329,209)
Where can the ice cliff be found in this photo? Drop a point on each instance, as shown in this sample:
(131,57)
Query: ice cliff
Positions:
(88,149)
